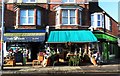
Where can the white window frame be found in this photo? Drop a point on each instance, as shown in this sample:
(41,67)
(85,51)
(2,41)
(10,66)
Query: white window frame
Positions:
(108,23)
(118,27)
(92,20)
(27,17)
(68,11)
(95,20)
(29,1)
(68,1)
(99,20)
(59,14)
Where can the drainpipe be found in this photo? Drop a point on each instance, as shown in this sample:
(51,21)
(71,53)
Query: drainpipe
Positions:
(104,22)
(2,34)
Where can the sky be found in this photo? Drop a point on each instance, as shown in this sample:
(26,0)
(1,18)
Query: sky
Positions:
(111,7)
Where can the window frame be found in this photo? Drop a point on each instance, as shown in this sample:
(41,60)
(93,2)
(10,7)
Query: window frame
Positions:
(68,1)
(36,20)
(94,22)
(27,17)
(118,27)
(69,17)
(78,15)
(29,1)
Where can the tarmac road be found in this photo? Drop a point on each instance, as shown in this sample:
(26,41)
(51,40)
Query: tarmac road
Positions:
(80,74)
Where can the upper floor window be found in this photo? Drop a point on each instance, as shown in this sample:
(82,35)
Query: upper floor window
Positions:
(38,17)
(27,17)
(68,1)
(97,20)
(118,27)
(29,1)
(68,16)
(92,20)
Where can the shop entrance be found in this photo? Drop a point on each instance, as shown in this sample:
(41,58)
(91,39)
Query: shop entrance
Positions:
(35,48)
(22,52)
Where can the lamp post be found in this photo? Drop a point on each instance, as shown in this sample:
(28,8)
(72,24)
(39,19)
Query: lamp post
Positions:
(2,36)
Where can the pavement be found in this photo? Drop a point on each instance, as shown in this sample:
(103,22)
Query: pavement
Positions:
(112,67)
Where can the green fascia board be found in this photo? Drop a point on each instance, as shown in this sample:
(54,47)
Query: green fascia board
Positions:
(107,37)
(24,34)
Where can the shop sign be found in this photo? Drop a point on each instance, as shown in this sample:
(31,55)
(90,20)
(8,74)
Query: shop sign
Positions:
(24,39)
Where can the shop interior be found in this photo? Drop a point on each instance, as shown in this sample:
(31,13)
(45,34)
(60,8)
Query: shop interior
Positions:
(72,54)
(22,52)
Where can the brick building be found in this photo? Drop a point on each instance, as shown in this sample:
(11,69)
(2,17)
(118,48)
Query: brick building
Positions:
(25,23)
(106,30)
(31,23)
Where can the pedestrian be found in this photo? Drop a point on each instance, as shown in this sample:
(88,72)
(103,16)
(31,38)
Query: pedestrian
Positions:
(92,58)
(44,62)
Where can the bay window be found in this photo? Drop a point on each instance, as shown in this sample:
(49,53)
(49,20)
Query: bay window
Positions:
(97,20)
(68,17)
(27,17)
(38,17)
(30,17)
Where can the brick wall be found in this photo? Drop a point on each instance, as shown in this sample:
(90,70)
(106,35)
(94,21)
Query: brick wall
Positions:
(85,16)
(10,16)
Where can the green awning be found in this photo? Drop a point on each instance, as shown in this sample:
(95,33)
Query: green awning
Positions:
(79,36)
(105,36)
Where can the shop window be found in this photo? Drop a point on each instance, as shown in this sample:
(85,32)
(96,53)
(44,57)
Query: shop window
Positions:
(29,1)
(112,49)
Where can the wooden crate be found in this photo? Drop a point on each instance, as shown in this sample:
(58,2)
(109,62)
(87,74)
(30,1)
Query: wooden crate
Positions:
(10,62)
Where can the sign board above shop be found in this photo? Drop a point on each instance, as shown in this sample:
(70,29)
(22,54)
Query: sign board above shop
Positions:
(24,39)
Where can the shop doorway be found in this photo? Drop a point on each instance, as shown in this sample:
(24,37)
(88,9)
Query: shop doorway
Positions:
(35,49)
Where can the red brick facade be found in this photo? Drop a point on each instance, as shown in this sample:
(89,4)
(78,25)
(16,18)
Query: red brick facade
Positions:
(49,16)
(11,16)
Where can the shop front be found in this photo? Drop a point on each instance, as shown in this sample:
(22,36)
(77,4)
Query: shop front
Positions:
(107,45)
(72,46)
(22,47)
